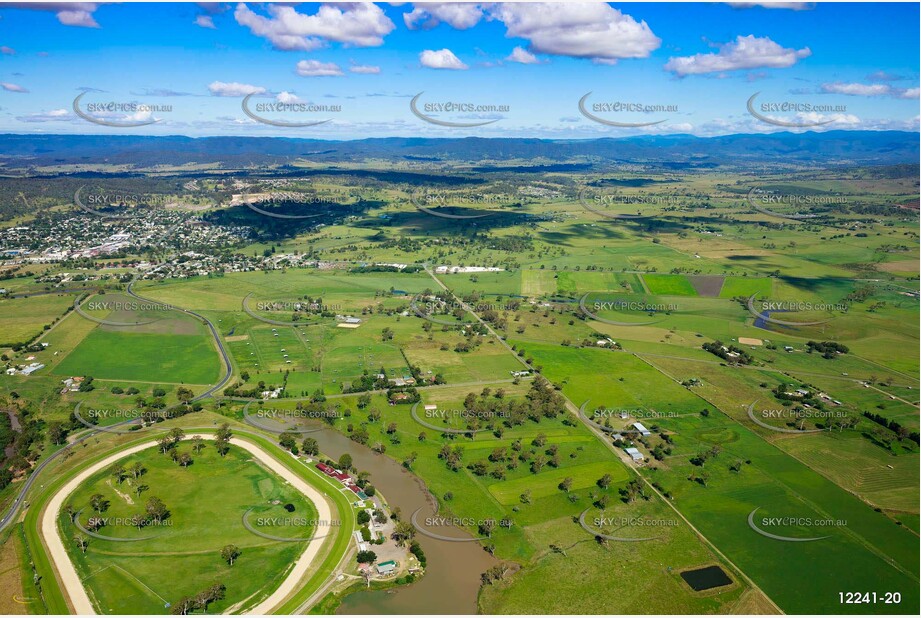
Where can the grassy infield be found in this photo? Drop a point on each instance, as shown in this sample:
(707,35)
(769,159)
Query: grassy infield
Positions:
(229,486)
(207,501)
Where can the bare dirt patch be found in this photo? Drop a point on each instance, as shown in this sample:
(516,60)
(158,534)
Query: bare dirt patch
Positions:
(707,285)
(128,499)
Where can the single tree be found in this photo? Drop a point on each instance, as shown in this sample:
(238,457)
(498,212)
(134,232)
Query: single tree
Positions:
(229,553)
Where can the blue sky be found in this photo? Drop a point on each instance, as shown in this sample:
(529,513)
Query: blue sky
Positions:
(524,66)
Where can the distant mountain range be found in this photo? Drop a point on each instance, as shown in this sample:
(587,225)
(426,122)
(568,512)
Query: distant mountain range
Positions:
(829,147)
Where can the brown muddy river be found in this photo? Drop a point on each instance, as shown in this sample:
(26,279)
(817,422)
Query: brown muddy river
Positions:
(452,574)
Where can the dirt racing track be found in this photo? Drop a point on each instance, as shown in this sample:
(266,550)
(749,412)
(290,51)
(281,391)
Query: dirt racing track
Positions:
(69,579)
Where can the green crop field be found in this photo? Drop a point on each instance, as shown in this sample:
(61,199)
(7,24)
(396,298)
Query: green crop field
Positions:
(123,355)
(669,285)
(746,286)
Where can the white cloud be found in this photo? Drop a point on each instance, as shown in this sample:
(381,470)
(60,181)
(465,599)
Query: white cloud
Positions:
(233,89)
(68,13)
(57,115)
(458,15)
(441,59)
(9,87)
(746,52)
(869,90)
(287,98)
(205,21)
(794,6)
(578,29)
(863,90)
(581,30)
(365,69)
(815,118)
(315,68)
(7,51)
(522,56)
(358,25)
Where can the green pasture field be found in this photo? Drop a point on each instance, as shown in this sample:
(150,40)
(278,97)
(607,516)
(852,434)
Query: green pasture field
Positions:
(669,285)
(869,547)
(583,476)
(607,378)
(726,388)
(858,465)
(226,293)
(116,353)
(614,567)
(506,283)
(24,318)
(746,286)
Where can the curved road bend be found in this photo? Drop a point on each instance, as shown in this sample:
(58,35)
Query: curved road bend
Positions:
(27,484)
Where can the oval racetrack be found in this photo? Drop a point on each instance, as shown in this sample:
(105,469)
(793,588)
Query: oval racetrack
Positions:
(70,580)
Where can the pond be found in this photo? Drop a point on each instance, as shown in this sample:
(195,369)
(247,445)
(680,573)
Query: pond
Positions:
(706,578)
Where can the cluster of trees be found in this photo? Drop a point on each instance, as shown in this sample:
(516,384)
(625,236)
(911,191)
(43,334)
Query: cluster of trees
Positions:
(632,490)
(171,440)
(730,354)
(799,400)
(828,349)
(539,455)
(131,390)
(452,456)
(416,550)
(368,382)
(900,430)
(155,512)
(200,601)
(239,389)
(365,557)
(407,394)
(493,411)
(382,268)
(703,456)
(222,439)
(151,410)
(20,456)
(494,574)
(121,472)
